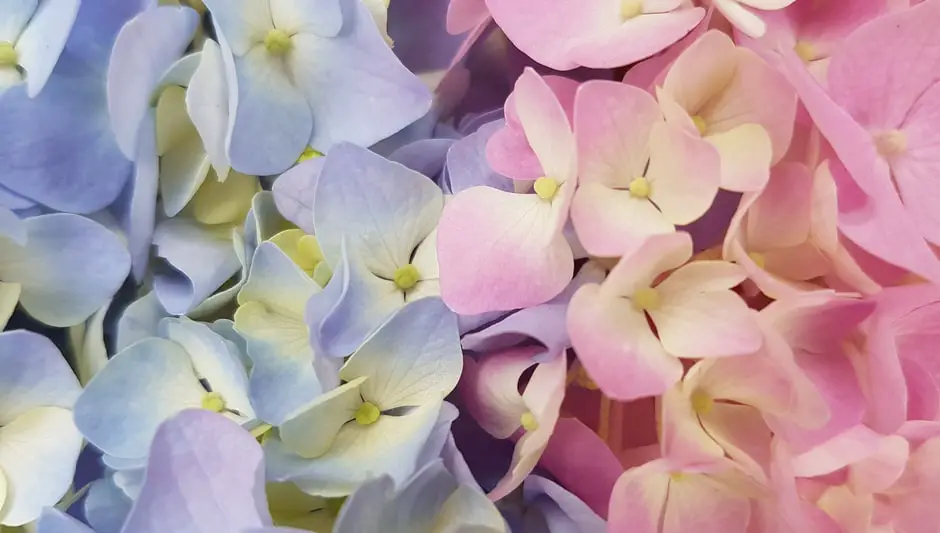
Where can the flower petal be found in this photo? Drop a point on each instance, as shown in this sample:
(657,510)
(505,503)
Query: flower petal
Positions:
(34,374)
(310,432)
(207,105)
(546,126)
(41,43)
(707,324)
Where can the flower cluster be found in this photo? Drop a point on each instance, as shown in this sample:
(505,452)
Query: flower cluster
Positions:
(469,266)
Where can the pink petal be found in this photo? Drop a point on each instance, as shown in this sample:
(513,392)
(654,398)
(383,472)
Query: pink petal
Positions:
(683,438)
(702,276)
(746,156)
(464,15)
(543,396)
(871,214)
(638,499)
(702,71)
(500,251)
(880,470)
(582,463)
(651,72)
(508,153)
(612,125)
(700,504)
(915,170)
(636,39)
(490,389)
(850,446)
(684,174)
(707,324)
(546,126)
(610,222)
(741,431)
(781,216)
(882,68)
(617,348)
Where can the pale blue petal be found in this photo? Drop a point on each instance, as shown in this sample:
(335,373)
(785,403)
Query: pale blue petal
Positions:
(382,209)
(272,121)
(13,201)
(467,166)
(140,387)
(294,191)
(130,480)
(145,49)
(205,475)
(207,105)
(351,306)
(139,320)
(68,269)
(11,227)
(364,510)
(283,377)
(457,465)
(215,359)
(389,446)
(97,27)
(241,23)
(226,328)
(136,208)
(563,511)
(15,17)
(358,90)
(32,373)
(263,221)
(320,17)
(425,156)
(106,506)
(54,521)
(434,447)
(42,41)
(200,258)
(214,304)
(412,359)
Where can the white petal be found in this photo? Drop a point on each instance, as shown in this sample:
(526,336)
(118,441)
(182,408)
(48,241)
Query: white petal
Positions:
(207,103)
(43,39)
(311,432)
(14,17)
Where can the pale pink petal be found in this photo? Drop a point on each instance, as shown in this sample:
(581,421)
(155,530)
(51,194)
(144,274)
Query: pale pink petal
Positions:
(881,69)
(637,38)
(582,463)
(741,18)
(702,276)
(617,348)
(756,380)
(850,446)
(741,431)
(501,251)
(508,153)
(464,15)
(638,499)
(923,391)
(880,470)
(490,390)
(684,174)
(702,71)
(746,155)
(871,214)
(612,124)
(708,324)
(916,169)
(652,72)
(546,126)
(781,215)
(611,222)
(639,268)
(701,504)
(683,438)
(543,396)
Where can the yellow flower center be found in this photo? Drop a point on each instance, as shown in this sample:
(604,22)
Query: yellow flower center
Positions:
(677,476)
(700,124)
(308,154)
(702,403)
(406,277)
(646,299)
(630,9)
(640,188)
(528,421)
(8,55)
(805,51)
(367,414)
(278,42)
(213,401)
(759,259)
(546,188)
(891,143)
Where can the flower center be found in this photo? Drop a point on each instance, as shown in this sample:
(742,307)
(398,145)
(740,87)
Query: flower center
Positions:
(278,42)
(646,299)
(528,421)
(8,55)
(805,51)
(700,124)
(406,277)
(890,143)
(308,153)
(546,188)
(759,259)
(213,401)
(367,414)
(640,188)
(702,403)
(630,9)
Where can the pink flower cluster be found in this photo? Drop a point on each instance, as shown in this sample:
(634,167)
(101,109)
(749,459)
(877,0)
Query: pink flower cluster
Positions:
(741,229)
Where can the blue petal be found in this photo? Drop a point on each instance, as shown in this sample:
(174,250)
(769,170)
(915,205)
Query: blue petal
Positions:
(122,406)
(426,156)
(294,191)
(68,269)
(106,506)
(11,227)
(55,521)
(467,166)
(351,306)
(382,209)
(201,260)
(43,40)
(563,511)
(33,373)
(205,474)
(139,320)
